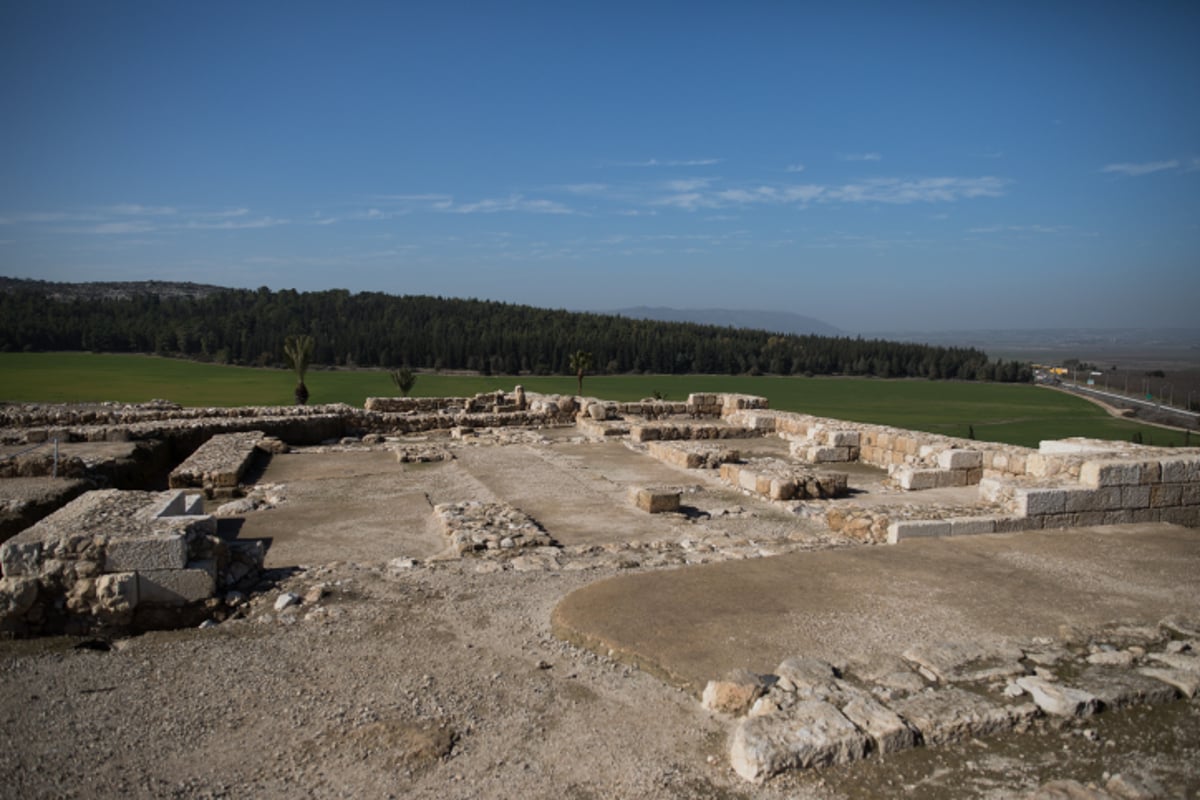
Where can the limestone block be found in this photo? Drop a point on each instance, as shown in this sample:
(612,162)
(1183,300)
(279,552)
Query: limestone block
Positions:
(1011,524)
(174,587)
(969,526)
(117,592)
(950,714)
(1110,473)
(782,489)
(803,674)
(657,501)
(960,459)
(1135,497)
(1118,688)
(842,438)
(145,552)
(813,734)
(1120,516)
(734,694)
(888,732)
(1036,502)
(1084,519)
(1182,515)
(1189,494)
(1059,700)
(1151,472)
(914,480)
(821,455)
(974,476)
(20,558)
(17,596)
(1181,661)
(1184,469)
(994,490)
(1165,494)
(909,529)
(748,480)
(1188,683)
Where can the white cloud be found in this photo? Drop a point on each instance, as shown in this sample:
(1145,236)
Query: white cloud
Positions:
(688,185)
(924,190)
(794,168)
(1021,229)
(861,157)
(234,224)
(138,210)
(514,202)
(585,188)
(654,162)
(1143,168)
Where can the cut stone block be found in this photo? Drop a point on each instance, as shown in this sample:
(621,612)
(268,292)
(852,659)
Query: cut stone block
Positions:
(960,459)
(118,592)
(970,526)
(842,438)
(888,732)
(1181,470)
(1059,700)
(813,734)
(1178,661)
(174,587)
(804,674)
(915,480)
(1119,688)
(951,714)
(958,661)
(898,531)
(142,553)
(20,558)
(1037,502)
(657,501)
(1135,497)
(1096,474)
(825,455)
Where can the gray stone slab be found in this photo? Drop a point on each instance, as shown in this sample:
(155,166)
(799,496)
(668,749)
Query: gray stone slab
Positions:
(888,732)
(145,552)
(174,587)
(951,714)
(812,734)
(1059,699)
(20,558)
(1186,682)
(953,662)
(1120,688)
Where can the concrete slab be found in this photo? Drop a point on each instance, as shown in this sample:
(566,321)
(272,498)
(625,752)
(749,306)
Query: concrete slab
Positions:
(837,605)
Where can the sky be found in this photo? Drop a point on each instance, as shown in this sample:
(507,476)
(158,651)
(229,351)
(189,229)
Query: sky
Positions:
(879,166)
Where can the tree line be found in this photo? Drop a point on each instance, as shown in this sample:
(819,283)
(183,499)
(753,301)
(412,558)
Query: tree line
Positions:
(372,329)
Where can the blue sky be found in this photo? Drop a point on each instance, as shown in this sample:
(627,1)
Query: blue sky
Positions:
(880,166)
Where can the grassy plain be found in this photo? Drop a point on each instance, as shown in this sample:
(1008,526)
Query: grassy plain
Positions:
(1017,414)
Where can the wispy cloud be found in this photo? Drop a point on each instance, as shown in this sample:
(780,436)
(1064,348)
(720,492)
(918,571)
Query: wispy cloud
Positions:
(924,190)
(794,168)
(514,202)
(655,162)
(234,224)
(1142,168)
(138,210)
(1021,229)
(861,157)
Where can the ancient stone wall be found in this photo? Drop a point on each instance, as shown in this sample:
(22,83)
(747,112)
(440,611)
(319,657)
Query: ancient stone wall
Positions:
(117,560)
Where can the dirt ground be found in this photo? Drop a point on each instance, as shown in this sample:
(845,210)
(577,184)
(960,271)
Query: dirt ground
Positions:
(444,679)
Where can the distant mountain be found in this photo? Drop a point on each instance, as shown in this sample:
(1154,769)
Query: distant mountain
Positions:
(109,290)
(772,321)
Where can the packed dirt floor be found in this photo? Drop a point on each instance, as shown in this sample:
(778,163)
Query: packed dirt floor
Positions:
(405,672)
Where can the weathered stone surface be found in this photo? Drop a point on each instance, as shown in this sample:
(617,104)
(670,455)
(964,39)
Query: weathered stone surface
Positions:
(1119,688)
(951,714)
(1111,658)
(1186,682)
(960,459)
(918,528)
(888,732)
(146,552)
(1180,661)
(118,592)
(17,595)
(799,674)
(889,672)
(812,734)
(656,501)
(734,694)
(962,661)
(174,587)
(1060,700)
(20,557)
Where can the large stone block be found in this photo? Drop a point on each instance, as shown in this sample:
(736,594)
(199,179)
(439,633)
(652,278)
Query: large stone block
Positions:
(960,459)
(20,558)
(657,501)
(970,526)
(1059,700)
(1183,469)
(1166,494)
(814,733)
(1135,497)
(888,732)
(145,552)
(1096,474)
(915,480)
(1037,502)
(910,529)
(174,587)
(950,714)
(117,592)
(1118,688)
(842,438)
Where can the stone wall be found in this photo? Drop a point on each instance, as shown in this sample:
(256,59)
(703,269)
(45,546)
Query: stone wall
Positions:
(779,480)
(118,560)
(219,463)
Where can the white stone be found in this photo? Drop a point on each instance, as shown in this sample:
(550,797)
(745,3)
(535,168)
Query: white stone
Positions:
(814,733)
(960,459)
(286,599)
(1062,701)
(888,732)
(898,531)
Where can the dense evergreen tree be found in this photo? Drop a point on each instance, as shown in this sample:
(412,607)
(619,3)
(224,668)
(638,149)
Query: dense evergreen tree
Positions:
(372,329)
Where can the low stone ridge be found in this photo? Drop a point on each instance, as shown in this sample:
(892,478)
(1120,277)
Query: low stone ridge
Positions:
(674,431)
(779,480)
(491,529)
(808,714)
(116,560)
(217,464)
(692,455)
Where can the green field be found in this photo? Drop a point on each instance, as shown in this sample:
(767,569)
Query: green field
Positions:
(1017,414)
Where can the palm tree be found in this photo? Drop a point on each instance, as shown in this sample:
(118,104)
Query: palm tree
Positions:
(298,351)
(404,378)
(581,362)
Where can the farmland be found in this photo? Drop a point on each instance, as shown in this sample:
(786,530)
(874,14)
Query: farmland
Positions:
(1016,414)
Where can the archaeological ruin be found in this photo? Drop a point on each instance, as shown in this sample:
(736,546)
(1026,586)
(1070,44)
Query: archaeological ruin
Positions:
(155,515)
